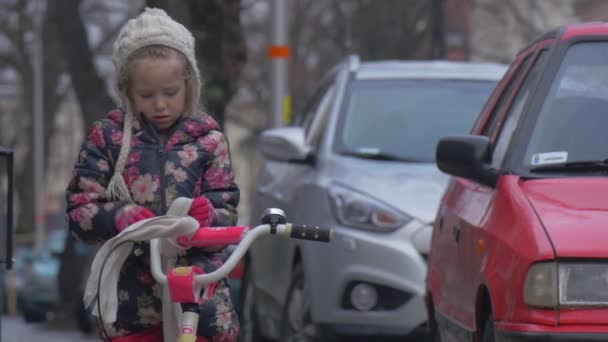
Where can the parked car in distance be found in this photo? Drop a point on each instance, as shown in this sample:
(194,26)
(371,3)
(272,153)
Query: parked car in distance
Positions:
(38,296)
(519,242)
(360,159)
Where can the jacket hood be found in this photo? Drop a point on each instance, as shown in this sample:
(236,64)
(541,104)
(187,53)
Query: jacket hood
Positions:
(413,188)
(574,212)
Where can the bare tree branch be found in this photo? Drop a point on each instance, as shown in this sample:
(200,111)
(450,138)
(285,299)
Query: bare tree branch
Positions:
(493,10)
(528,31)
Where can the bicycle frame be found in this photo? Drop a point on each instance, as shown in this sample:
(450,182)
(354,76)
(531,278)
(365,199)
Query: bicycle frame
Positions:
(243,237)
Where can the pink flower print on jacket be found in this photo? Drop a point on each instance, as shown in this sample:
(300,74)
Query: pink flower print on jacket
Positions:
(95,136)
(216,142)
(84,216)
(178,173)
(210,141)
(102,165)
(130,175)
(193,128)
(133,158)
(224,319)
(218,177)
(187,155)
(116,116)
(143,189)
(209,123)
(174,140)
(90,185)
(116,137)
(222,156)
(83,197)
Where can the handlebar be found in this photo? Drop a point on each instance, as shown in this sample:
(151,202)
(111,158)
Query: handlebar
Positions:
(242,236)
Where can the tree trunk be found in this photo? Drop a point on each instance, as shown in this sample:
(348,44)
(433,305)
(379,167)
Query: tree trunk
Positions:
(221,51)
(24,175)
(89,87)
(94,101)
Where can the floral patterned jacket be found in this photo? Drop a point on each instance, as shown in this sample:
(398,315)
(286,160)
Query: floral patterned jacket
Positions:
(194,162)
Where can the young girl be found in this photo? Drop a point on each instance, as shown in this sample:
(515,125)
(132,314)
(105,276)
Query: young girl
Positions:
(136,161)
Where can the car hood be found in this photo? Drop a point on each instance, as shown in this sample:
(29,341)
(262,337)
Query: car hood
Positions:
(413,188)
(574,212)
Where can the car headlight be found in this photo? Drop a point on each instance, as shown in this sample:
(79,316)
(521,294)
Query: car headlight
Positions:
(567,284)
(540,287)
(357,210)
(583,284)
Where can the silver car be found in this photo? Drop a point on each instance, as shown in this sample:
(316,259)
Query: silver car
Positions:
(361,159)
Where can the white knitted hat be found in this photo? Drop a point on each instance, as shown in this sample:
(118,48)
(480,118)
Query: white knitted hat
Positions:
(152,27)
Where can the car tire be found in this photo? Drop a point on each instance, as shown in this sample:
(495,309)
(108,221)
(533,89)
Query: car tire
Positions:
(488,329)
(31,316)
(297,324)
(249,325)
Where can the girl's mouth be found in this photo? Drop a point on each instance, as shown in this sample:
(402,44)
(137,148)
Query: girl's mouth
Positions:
(161,119)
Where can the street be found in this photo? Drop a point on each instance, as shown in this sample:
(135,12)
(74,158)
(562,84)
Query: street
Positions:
(14,329)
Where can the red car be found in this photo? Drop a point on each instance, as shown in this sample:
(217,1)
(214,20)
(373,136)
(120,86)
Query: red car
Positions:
(519,249)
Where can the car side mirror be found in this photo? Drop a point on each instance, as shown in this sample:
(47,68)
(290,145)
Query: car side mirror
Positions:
(467,156)
(287,144)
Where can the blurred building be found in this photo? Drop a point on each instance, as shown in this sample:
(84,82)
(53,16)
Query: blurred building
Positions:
(592,10)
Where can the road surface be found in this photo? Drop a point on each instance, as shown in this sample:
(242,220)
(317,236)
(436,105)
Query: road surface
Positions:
(14,329)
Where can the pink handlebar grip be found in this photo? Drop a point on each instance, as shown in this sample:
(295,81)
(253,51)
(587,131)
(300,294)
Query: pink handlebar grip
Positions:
(214,236)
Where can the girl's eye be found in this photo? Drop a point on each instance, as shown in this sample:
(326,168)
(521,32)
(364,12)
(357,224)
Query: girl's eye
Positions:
(171,93)
(145,96)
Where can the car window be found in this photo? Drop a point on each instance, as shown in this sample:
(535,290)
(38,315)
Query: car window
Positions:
(406,118)
(308,113)
(318,123)
(571,125)
(516,109)
(492,123)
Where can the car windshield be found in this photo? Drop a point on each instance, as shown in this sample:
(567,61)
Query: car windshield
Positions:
(570,133)
(404,119)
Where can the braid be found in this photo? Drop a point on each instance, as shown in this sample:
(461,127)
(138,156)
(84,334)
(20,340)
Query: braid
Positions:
(117,188)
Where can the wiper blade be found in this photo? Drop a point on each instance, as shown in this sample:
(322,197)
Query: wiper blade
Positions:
(581,165)
(376,154)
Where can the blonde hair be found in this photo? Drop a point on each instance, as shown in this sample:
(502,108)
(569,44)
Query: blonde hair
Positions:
(117,187)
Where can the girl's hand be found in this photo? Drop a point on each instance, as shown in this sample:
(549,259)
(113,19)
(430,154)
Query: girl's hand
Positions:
(132,216)
(202,211)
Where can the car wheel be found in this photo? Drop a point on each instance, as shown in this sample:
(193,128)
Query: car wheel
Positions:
(488,329)
(434,335)
(249,330)
(297,324)
(31,316)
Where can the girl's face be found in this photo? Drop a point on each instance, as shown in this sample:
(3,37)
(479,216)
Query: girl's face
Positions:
(158,90)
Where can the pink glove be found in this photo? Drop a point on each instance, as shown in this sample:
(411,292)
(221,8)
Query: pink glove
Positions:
(132,216)
(202,211)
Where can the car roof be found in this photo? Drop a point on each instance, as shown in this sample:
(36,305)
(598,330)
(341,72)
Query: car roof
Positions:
(574,31)
(430,70)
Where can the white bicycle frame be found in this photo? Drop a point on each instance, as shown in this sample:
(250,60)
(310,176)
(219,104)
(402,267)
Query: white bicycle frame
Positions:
(187,326)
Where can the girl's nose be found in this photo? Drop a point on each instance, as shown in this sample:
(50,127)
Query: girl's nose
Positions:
(159,103)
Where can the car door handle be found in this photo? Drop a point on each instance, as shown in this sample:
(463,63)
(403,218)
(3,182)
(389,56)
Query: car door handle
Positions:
(456,232)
